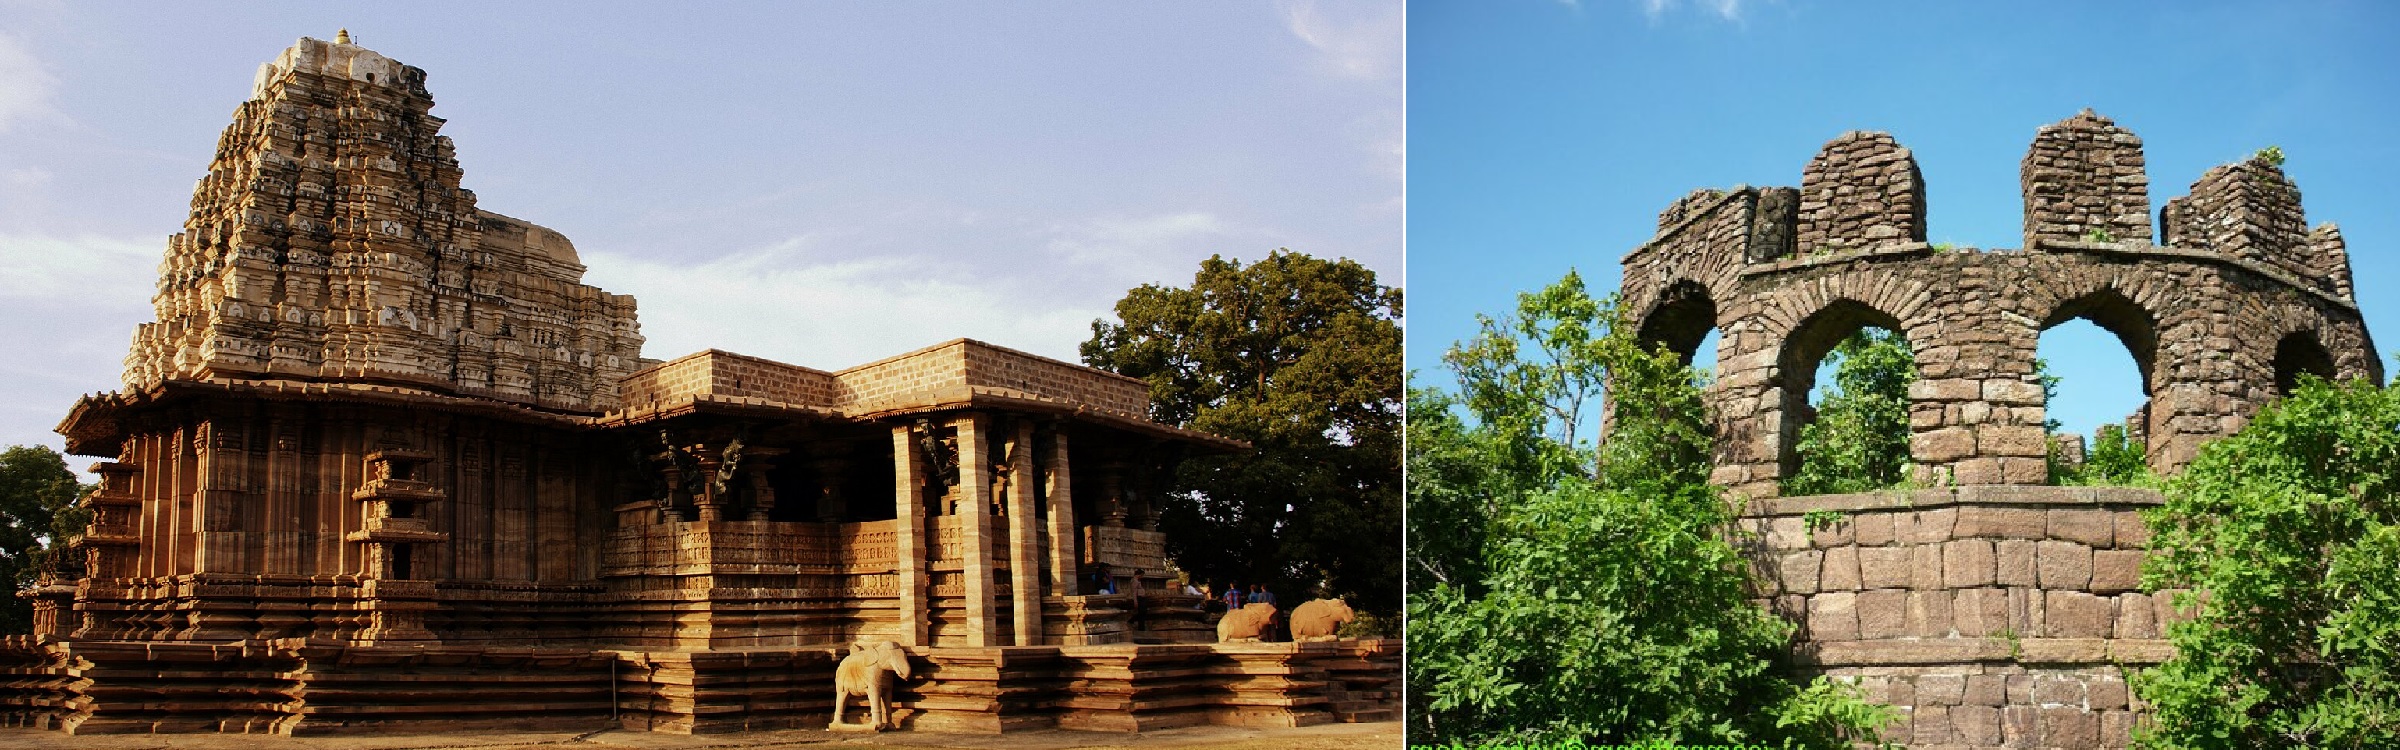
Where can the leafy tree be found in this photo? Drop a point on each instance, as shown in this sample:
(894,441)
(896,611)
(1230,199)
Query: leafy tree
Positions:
(36,490)
(1608,605)
(1859,439)
(1454,492)
(2116,459)
(1300,357)
(2290,527)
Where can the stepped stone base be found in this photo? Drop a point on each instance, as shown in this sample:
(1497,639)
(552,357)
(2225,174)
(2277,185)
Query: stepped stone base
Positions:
(304,687)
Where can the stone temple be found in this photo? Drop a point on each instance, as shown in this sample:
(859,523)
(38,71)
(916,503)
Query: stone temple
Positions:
(385,462)
(1994,610)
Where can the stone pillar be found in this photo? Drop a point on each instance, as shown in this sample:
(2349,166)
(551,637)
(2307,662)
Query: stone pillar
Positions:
(831,506)
(908,479)
(1024,548)
(975,528)
(1060,494)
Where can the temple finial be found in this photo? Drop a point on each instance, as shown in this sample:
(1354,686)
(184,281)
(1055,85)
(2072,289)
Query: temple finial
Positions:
(342,38)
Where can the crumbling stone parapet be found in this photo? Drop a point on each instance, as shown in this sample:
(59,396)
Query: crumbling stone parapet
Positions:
(2219,320)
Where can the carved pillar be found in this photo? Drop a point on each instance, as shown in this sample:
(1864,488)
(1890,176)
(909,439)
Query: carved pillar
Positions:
(1112,494)
(392,528)
(831,506)
(908,479)
(709,507)
(1024,548)
(750,489)
(975,528)
(1060,493)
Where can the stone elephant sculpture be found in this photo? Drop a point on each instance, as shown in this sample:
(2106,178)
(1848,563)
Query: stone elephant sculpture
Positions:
(863,673)
(1246,624)
(1320,619)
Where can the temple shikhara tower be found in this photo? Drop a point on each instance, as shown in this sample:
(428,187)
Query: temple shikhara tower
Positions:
(384,460)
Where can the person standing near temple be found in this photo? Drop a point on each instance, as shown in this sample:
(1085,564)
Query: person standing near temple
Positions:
(1260,595)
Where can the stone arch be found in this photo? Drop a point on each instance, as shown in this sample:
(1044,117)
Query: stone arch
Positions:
(2300,352)
(1804,346)
(2134,325)
(1681,318)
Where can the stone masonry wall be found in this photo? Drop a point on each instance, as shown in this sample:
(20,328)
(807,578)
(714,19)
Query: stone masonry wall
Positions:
(2204,317)
(1863,188)
(2084,175)
(1991,616)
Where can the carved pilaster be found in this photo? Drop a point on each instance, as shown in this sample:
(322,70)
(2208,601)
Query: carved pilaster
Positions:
(908,481)
(1024,546)
(975,503)
(1059,492)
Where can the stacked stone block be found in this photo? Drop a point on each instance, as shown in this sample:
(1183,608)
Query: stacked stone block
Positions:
(2084,180)
(2251,210)
(1992,616)
(1862,189)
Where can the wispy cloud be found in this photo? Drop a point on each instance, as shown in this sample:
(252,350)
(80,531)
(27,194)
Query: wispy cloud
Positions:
(1730,10)
(817,300)
(26,86)
(76,269)
(1360,41)
(831,315)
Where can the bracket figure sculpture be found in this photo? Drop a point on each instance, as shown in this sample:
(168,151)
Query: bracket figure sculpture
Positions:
(1246,624)
(863,673)
(1320,620)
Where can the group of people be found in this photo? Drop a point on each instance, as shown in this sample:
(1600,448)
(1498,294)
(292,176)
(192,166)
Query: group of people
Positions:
(1103,581)
(1234,597)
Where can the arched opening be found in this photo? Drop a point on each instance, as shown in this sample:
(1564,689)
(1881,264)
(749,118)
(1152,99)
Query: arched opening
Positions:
(1685,321)
(2097,353)
(2300,353)
(1846,372)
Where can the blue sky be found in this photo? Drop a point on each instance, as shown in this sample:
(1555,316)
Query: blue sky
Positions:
(820,183)
(1545,135)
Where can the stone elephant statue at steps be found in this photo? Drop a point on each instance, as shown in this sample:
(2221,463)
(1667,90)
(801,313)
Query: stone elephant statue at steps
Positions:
(1320,620)
(1246,624)
(863,673)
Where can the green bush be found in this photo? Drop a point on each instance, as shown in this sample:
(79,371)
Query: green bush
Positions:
(1605,607)
(2291,527)
(1859,440)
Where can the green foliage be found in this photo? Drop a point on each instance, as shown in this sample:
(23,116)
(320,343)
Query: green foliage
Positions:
(1859,439)
(2114,460)
(2290,527)
(1457,477)
(1602,606)
(2272,155)
(1300,357)
(1531,376)
(1370,625)
(2099,235)
(37,495)
(1822,519)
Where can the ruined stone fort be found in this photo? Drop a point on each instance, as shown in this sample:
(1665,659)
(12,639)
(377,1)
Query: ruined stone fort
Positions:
(383,462)
(1995,611)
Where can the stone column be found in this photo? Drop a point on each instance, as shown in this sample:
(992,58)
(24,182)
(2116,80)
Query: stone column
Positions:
(975,525)
(908,524)
(1024,549)
(831,506)
(1061,496)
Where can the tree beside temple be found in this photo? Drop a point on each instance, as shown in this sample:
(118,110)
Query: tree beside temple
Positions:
(1300,357)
